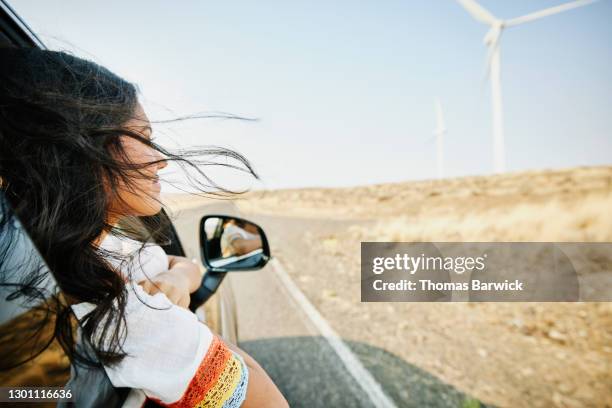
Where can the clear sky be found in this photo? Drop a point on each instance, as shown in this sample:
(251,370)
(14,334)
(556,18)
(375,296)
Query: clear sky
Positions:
(344,91)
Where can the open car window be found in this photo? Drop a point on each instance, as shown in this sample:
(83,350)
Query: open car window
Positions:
(14,32)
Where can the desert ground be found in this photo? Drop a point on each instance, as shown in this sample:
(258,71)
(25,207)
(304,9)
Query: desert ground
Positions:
(504,354)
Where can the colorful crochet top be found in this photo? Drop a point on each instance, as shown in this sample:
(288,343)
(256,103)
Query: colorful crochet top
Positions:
(220,381)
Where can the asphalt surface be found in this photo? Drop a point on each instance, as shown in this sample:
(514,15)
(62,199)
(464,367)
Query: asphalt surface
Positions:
(274,329)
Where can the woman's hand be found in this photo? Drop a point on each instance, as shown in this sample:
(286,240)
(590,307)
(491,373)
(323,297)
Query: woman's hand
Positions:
(174,285)
(182,278)
(191,270)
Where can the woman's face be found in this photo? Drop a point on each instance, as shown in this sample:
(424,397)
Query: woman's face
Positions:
(141,195)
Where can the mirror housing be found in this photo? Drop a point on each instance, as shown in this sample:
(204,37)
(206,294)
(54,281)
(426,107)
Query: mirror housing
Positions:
(228,244)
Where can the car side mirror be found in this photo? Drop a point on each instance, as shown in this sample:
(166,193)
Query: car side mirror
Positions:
(230,244)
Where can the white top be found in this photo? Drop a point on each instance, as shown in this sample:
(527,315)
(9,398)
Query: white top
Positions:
(165,347)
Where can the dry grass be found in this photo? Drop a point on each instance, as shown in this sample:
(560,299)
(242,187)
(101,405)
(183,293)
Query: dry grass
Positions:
(583,220)
(456,198)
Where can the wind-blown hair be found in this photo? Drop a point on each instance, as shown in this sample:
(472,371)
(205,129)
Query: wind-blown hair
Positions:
(60,122)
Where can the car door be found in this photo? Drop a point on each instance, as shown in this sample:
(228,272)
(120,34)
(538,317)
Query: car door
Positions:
(30,355)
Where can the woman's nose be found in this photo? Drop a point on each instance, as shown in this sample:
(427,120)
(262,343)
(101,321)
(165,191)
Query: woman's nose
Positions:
(160,160)
(162,163)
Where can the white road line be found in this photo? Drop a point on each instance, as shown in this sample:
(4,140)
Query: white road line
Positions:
(363,377)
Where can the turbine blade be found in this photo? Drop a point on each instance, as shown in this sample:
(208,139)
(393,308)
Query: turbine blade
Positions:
(548,12)
(477,11)
(492,41)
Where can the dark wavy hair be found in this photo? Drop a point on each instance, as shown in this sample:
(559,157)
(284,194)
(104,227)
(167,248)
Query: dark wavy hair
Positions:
(60,122)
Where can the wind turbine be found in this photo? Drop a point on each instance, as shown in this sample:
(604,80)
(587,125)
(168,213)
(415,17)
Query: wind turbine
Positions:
(491,40)
(439,132)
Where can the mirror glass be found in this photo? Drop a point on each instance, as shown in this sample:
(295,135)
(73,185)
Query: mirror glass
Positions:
(233,243)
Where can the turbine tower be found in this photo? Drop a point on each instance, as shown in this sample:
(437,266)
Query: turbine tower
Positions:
(439,132)
(491,40)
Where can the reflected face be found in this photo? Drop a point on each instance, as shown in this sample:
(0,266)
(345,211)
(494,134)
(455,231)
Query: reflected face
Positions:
(140,196)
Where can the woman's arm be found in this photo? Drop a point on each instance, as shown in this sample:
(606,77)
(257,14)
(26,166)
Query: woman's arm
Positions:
(243,246)
(182,278)
(179,362)
(189,269)
(261,390)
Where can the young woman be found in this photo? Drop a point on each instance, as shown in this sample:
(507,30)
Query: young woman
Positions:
(76,158)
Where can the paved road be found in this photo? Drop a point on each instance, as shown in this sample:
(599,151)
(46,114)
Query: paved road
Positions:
(277,332)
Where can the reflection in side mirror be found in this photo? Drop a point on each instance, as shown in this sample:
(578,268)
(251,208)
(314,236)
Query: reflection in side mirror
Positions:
(232,244)
(228,244)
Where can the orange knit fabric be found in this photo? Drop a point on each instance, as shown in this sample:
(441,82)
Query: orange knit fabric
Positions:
(206,376)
